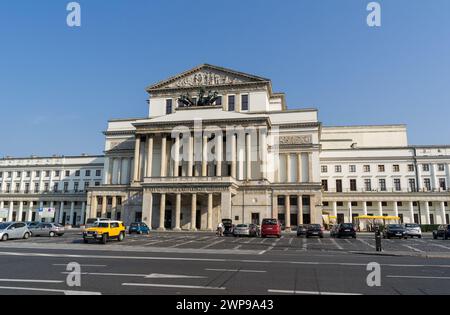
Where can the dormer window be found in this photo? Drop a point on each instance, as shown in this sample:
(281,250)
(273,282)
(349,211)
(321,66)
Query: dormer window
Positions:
(219,101)
(231,103)
(169,106)
(244,104)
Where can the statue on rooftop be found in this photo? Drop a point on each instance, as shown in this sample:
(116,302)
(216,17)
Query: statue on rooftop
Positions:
(203,99)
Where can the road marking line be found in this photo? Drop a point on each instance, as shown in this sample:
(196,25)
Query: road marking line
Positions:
(337,245)
(30,281)
(414,249)
(366,243)
(171,286)
(237,247)
(305,244)
(66,292)
(65,265)
(212,244)
(310,292)
(441,246)
(290,241)
(419,277)
(236,270)
(181,244)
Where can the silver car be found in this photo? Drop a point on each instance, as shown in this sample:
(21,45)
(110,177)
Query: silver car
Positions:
(14,230)
(413,230)
(47,229)
(246,230)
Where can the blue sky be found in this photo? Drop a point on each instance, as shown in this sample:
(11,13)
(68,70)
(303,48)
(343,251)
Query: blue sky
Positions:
(59,86)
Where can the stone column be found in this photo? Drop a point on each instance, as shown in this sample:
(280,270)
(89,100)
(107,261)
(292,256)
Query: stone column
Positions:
(241,158)
(288,168)
(427,212)
(147,208)
(11,209)
(335,211)
(365,207)
(83,213)
(310,167)
(72,208)
(350,211)
(104,206)
(30,212)
(191,156)
(194,212)
(210,212)
(274,206)
(300,209)
(249,155)
(264,152)
(226,205)
(299,168)
(395,209)
(61,212)
(380,208)
(94,206)
(444,219)
(19,214)
(137,153)
(176,156)
(163,156)
(150,141)
(411,211)
(178,213)
(233,156)
(288,213)
(162,213)
(205,156)
(219,153)
(114,207)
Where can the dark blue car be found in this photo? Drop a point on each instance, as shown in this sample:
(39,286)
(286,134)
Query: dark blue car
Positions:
(139,228)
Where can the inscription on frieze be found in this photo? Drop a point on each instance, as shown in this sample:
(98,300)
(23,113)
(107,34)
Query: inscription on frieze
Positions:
(295,140)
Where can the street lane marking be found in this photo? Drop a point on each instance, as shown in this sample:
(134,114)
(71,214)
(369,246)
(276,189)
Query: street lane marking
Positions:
(441,246)
(414,249)
(419,277)
(310,292)
(237,247)
(336,244)
(305,244)
(181,244)
(237,270)
(66,292)
(65,265)
(212,244)
(366,243)
(171,286)
(31,281)
(290,241)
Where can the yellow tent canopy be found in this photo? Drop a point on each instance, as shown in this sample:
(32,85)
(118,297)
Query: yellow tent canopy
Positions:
(386,218)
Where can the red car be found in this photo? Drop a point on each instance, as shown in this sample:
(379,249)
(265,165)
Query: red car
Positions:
(270,227)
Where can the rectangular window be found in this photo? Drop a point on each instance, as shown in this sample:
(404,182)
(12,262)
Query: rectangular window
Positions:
(98,173)
(281,201)
(324,169)
(169,107)
(397,184)
(381,168)
(411,168)
(231,103)
(17,188)
(441,168)
(38,174)
(66,187)
(1,174)
(412,185)
(8,188)
(382,183)
(9,174)
(86,185)
(88,173)
(67,173)
(27,188)
(442,184)
(46,187)
(352,168)
(396,168)
(366,168)
(28,174)
(353,186)
(36,187)
(219,101)
(55,187)
(338,169)
(77,173)
(368,185)
(325,185)
(427,183)
(426,167)
(57,173)
(76,186)
(244,104)
(339,186)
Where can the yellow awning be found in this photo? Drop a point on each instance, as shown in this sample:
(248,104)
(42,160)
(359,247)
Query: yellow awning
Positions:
(386,218)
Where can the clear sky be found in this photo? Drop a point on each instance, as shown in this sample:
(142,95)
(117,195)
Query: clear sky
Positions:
(59,86)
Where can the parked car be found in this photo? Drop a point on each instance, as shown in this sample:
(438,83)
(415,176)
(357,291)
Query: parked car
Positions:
(228,227)
(442,231)
(47,229)
(270,227)
(301,230)
(255,230)
(104,231)
(343,230)
(394,230)
(314,230)
(245,230)
(31,225)
(413,230)
(14,230)
(139,228)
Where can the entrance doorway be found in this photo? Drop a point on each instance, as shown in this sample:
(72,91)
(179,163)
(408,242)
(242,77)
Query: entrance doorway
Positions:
(168,219)
(198,220)
(340,218)
(74,219)
(255,218)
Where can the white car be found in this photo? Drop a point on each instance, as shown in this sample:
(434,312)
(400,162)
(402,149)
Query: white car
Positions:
(14,230)
(413,230)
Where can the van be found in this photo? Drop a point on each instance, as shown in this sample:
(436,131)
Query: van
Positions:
(270,227)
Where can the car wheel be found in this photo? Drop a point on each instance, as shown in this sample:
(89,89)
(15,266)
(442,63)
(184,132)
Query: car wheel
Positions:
(5,237)
(104,239)
(434,237)
(85,241)
(26,236)
(52,234)
(121,237)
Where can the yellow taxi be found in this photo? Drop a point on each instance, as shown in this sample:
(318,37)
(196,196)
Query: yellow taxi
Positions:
(103,231)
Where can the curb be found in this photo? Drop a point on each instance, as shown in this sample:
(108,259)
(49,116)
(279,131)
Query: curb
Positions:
(417,255)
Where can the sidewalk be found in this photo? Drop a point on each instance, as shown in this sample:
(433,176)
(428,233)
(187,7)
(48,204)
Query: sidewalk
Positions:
(428,255)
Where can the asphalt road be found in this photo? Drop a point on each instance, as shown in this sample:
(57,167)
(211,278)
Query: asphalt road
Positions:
(202,264)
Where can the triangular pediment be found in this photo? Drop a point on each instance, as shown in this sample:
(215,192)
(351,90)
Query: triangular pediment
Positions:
(206,76)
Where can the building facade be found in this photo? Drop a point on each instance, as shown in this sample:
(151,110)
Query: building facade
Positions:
(221,144)
(60,183)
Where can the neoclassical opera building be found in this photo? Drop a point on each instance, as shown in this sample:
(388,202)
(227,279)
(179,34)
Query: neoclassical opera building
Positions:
(221,144)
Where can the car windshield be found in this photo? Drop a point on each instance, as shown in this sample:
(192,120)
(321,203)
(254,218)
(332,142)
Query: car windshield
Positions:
(58,225)
(102,225)
(242,225)
(412,225)
(4,226)
(91,221)
(134,225)
(315,226)
(347,226)
(269,222)
(395,226)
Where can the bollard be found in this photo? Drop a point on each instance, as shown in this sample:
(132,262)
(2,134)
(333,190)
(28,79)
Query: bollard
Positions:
(378,239)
